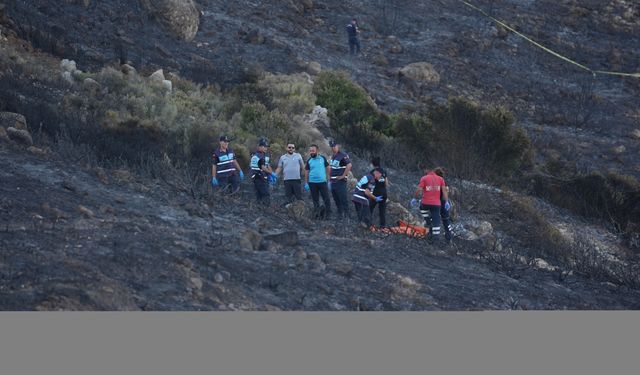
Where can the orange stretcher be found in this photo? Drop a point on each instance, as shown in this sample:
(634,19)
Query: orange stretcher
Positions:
(404,228)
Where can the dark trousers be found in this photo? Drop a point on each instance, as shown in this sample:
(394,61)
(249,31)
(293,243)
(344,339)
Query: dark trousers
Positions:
(446,222)
(354,45)
(339,193)
(317,189)
(228,184)
(382,210)
(364,214)
(292,188)
(262,190)
(431,215)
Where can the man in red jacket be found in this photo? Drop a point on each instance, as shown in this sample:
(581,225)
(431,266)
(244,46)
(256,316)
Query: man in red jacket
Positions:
(431,186)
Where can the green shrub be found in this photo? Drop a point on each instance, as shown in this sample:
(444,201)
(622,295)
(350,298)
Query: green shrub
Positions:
(352,113)
(290,94)
(472,142)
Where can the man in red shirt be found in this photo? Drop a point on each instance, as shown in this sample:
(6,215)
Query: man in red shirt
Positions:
(431,186)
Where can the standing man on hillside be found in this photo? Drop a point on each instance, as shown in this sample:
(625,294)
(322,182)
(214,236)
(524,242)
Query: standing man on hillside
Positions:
(292,166)
(444,212)
(340,168)
(318,172)
(352,32)
(431,186)
(225,168)
(261,172)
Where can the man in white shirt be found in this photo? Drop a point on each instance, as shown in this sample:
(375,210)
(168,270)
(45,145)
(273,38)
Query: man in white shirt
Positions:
(292,167)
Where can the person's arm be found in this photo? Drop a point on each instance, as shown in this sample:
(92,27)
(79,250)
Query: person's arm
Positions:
(214,165)
(445,193)
(346,171)
(280,166)
(303,170)
(235,162)
(369,194)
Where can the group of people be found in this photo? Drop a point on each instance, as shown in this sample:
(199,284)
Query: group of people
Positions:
(319,176)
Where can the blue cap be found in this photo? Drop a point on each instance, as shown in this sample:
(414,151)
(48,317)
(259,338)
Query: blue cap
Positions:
(224,138)
(333,143)
(263,142)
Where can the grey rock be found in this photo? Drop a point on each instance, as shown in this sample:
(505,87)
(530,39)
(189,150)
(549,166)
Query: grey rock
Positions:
(20,136)
(14,120)
(250,240)
(287,238)
(180,17)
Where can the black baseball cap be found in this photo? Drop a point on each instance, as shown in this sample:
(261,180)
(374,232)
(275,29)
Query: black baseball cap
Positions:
(333,142)
(224,138)
(263,142)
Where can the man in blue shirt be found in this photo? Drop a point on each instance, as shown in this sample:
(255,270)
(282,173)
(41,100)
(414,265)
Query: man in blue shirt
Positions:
(225,168)
(340,167)
(261,172)
(318,172)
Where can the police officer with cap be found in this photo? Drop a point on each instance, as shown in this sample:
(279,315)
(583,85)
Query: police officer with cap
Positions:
(261,172)
(225,168)
(340,168)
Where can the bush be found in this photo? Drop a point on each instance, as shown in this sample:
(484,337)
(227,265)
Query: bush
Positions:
(290,94)
(473,142)
(351,110)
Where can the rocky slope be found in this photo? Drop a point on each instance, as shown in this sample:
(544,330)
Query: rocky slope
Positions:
(76,236)
(94,239)
(572,116)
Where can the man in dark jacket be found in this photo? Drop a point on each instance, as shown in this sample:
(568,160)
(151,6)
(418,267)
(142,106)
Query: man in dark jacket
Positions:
(352,32)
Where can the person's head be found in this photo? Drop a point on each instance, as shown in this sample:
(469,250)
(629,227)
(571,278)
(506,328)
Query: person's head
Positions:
(425,168)
(291,148)
(263,145)
(335,146)
(224,142)
(377,173)
(439,171)
(313,150)
(354,21)
(376,162)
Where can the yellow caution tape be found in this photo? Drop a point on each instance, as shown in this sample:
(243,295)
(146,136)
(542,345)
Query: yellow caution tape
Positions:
(548,50)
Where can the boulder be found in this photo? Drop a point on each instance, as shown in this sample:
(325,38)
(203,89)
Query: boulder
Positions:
(250,240)
(128,69)
(91,85)
(180,17)
(314,68)
(168,85)
(287,238)
(396,211)
(619,149)
(157,76)
(13,120)
(421,72)
(37,151)
(298,209)
(3,134)
(20,136)
(479,228)
(68,65)
(393,44)
(319,119)
(635,134)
